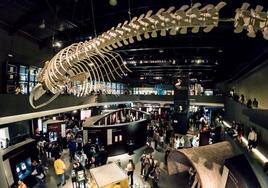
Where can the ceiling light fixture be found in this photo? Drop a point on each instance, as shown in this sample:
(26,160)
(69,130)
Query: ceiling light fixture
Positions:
(57,44)
(42,25)
(113,2)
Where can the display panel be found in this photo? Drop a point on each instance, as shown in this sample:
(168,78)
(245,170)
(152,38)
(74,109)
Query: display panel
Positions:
(24,168)
(85,114)
(53,136)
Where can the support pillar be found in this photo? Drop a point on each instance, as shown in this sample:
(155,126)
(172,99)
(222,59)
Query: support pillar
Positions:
(181,105)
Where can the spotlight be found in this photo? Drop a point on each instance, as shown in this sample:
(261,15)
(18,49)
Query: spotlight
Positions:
(57,44)
(42,25)
(113,2)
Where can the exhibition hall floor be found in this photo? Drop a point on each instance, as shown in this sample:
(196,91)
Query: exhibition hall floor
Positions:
(174,181)
(166,181)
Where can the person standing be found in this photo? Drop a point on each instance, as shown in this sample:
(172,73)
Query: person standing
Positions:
(72,148)
(255,103)
(130,170)
(81,157)
(60,167)
(155,137)
(156,175)
(249,103)
(55,150)
(79,141)
(242,98)
(252,139)
(142,160)
(38,171)
(166,155)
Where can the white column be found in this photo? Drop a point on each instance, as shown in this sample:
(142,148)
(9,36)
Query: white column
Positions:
(105,120)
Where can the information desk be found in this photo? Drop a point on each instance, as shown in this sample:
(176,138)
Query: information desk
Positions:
(108,176)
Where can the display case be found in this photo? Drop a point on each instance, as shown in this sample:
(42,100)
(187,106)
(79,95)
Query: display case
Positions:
(20,79)
(108,176)
(23,78)
(33,72)
(11,77)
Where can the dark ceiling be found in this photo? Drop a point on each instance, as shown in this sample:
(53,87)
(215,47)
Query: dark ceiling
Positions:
(224,54)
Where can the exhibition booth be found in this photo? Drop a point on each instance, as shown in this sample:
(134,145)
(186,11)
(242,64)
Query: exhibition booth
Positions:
(16,161)
(118,136)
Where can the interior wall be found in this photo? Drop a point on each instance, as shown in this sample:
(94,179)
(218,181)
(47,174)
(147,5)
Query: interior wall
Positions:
(258,119)
(25,51)
(254,85)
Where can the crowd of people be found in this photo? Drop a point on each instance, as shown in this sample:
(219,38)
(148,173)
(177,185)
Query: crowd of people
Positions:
(238,129)
(251,103)
(83,156)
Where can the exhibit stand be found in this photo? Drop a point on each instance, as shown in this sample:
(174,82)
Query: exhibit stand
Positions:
(16,162)
(108,176)
(79,179)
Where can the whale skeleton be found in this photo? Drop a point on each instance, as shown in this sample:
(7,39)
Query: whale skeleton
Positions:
(76,67)
(252,20)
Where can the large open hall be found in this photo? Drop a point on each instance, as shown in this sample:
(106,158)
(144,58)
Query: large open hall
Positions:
(133,94)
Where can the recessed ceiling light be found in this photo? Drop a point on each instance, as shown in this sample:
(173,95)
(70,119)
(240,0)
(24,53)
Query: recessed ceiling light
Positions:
(220,50)
(161,50)
(10,55)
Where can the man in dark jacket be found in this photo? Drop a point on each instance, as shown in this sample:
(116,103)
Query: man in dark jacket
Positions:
(38,171)
(72,148)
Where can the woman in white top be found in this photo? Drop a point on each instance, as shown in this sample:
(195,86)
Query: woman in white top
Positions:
(252,139)
(130,170)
